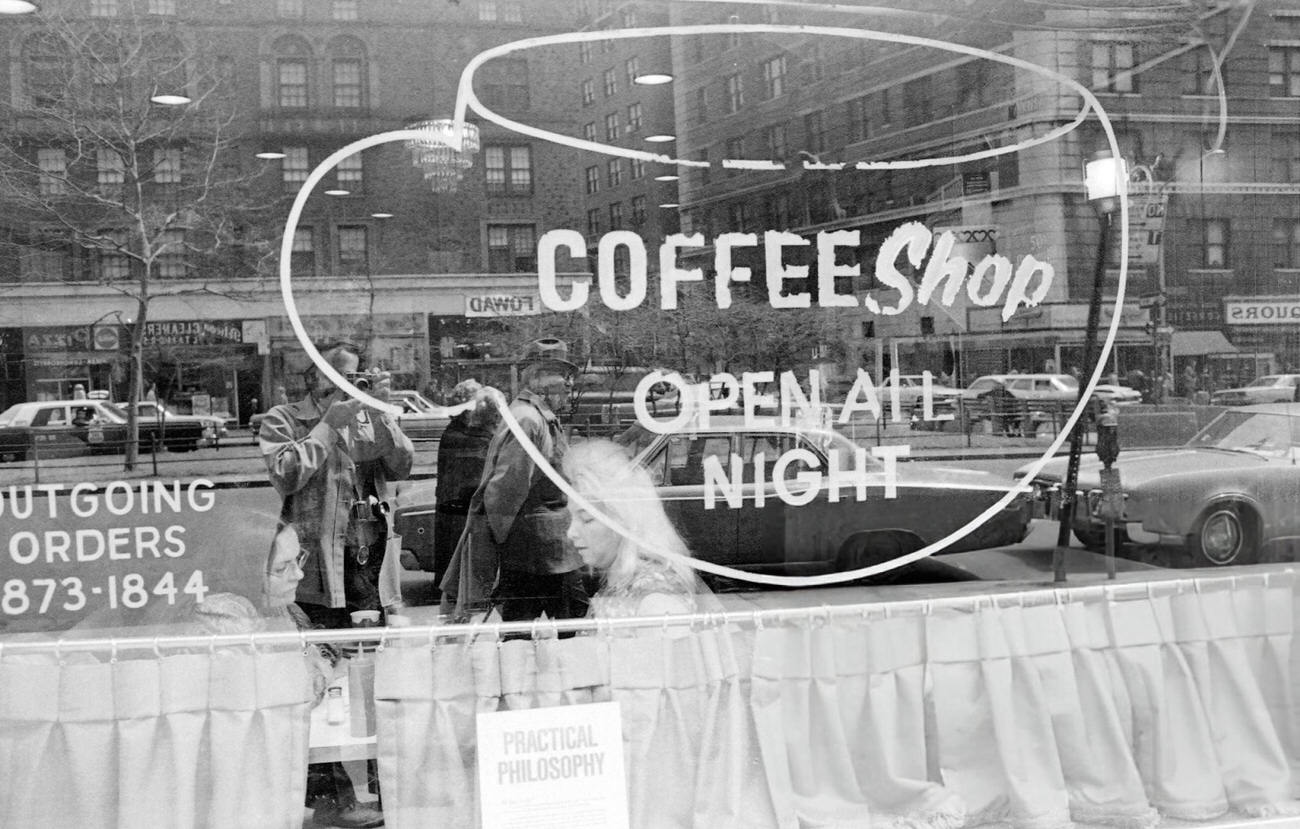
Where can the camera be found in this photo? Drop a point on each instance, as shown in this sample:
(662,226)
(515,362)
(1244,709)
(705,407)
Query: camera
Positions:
(360,379)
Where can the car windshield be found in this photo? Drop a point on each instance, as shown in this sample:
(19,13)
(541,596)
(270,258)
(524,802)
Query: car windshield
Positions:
(415,402)
(8,415)
(1263,433)
(1271,380)
(1068,381)
(114,411)
(983,384)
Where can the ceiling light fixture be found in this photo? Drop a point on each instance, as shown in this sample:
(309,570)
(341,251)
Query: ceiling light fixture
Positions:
(171,100)
(660,138)
(653,79)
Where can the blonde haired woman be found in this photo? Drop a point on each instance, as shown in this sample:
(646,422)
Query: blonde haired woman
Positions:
(636,579)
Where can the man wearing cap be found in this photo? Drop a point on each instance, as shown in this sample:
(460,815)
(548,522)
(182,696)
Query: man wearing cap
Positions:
(518,516)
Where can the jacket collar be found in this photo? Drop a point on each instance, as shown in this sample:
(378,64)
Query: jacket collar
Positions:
(538,402)
(305,409)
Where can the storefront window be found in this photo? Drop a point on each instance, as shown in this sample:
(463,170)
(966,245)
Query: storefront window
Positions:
(654,413)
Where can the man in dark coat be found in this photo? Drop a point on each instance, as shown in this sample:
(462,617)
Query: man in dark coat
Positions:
(461,452)
(515,551)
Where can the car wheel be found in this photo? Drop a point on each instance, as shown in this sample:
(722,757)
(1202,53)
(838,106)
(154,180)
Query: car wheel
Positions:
(1095,540)
(1225,534)
(870,549)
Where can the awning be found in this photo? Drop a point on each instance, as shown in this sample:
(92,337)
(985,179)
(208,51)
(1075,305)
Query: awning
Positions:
(1200,343)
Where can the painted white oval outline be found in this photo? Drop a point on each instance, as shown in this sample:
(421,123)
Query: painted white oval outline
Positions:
(467,99)
(286,278)
(1090,102)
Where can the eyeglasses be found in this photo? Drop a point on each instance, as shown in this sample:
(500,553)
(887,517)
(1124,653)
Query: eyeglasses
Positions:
(300,562)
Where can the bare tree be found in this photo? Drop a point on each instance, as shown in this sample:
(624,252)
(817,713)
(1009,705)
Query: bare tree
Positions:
(139,197)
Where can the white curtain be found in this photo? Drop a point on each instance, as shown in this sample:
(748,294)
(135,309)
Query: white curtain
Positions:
(211,739)
(1112,705)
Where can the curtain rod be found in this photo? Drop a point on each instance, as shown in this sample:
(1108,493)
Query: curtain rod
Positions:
(381,636)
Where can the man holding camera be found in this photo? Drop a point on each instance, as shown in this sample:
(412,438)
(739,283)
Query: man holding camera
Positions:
(331,459)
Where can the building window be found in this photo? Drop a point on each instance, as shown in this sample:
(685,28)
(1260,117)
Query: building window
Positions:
(593,180)
(918,94)
(505,84)
(114,264)
(1284,71)
(344,10)
(584,51)
(627,17)
(293,167)
(774,139)
(814,130)
(638,211)
(508,170)
(1214,243)
(349,173)
(637,168)
(588,92)
(291,75)
(1286,145)
(103,8)
(1198,73)
(706,170)
(45,71)
(741,216)
(352,249)
(616,215)
(109,167)
(347,83)
(611,126)
(813,67)
(735,148)
(701,109)
(589,131)
(167,165)
(1112,67)
(594,228)
(857,117)
(53,165)
(735,93)
(512,248)
(170,263)
(611,82)
(631,69)
(774,77)
(504,11)
(303,253)
(886,107)
(165,7)
(633,117)
(1286,243)
(291,9)
(778,212)
(614,172)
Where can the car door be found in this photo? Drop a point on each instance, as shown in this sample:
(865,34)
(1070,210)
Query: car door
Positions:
(678,465)
(762,514)
(53,434)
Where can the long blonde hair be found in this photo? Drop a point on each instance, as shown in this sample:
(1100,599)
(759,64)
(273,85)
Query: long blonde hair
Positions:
(602,473)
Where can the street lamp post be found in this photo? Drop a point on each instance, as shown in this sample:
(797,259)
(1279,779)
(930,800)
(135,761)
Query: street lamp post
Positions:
(1104,175)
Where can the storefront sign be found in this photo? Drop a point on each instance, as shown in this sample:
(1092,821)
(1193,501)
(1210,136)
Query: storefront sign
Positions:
(194,332)
(122,553)
(502,305)
(58,339)
(1281,311)
(548,767)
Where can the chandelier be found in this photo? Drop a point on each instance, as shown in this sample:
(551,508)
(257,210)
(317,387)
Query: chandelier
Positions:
(443,165)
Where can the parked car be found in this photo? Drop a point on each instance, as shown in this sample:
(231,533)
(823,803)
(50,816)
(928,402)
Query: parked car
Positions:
(213,426)
(1057,393)
(603,398)
(69,428)
(777,537)
(1225,497)
(1272,388)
